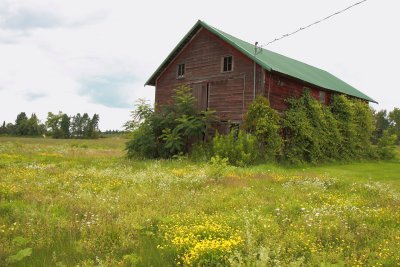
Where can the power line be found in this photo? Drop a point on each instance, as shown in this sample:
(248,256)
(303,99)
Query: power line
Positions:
(314,23)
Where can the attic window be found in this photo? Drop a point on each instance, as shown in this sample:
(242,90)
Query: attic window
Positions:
(322,97)
(181,70)
(227,64)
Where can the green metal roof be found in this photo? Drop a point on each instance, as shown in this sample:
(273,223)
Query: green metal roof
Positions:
(270,61)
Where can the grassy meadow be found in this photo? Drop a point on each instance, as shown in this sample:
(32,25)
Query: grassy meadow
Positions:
(82,203)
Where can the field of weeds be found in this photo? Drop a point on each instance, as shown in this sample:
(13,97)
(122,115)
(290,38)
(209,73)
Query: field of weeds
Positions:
(82,203)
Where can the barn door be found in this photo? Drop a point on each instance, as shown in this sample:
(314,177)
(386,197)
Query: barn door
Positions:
(200,92)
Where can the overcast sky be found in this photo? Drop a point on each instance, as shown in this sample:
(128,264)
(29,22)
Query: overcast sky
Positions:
(95,56)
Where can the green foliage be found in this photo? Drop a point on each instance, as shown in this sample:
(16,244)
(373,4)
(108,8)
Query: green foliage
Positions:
(394,120)
(315,133)
(22,254)
(184,101)
(309,130)
(218,167)
(240,148)
(142,143)
(263,122)
(53,123)
(24,126)
(173,141)
(169,131)
(381,124)
(355,123)
(386,147)
(201,151)
(21,124)
(364,128)
(142,113)
(65,125)
(3,129)
(343,111)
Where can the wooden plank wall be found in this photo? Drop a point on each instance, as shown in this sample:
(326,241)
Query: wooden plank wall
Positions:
(229,92)
(280,87)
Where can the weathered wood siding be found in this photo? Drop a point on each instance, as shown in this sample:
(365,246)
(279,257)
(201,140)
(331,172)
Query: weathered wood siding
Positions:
(279,87)
(229,93)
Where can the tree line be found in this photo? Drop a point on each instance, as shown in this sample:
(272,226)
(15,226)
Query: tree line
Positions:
(59,125)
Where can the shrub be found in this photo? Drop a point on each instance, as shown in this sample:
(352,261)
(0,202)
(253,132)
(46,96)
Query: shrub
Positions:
(218,167)
(240,148)
(263,122)
(143,143)
(169,131)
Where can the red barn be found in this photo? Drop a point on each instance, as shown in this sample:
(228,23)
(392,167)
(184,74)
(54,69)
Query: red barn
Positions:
(226,73)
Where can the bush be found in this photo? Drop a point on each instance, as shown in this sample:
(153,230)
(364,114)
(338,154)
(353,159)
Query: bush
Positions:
(171,130)
(143,143)
(239,148)
(263,122)
(218,167)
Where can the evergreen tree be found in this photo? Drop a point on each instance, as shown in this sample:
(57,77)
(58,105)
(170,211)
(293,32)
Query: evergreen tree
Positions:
(94,126)
(82,126)
(21,124)
(65,125)
(85,126)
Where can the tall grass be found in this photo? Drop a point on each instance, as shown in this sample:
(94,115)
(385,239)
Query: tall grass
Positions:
(81,202)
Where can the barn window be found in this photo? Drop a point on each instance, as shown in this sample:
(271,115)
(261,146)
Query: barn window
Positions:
(181,70)
(322,97)
(227,64)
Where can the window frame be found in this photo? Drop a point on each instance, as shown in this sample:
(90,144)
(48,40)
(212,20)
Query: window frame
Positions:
(179,69)
(223,63)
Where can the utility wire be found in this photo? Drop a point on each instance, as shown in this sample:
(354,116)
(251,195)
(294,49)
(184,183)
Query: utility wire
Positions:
(314,23)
